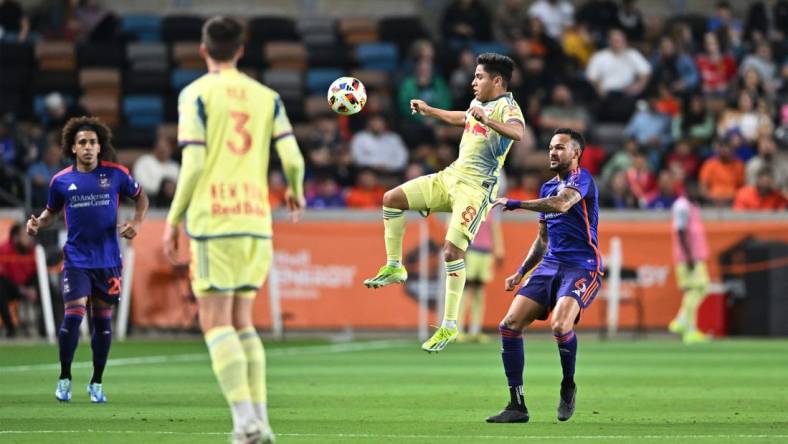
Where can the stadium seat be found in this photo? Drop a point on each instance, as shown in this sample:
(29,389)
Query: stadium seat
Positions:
(100,81)
(253,56)
(482,47)
(381,56)
(186,55)
(56,55)
(317,30)
(402,31)
(286,55)
(271,29)
(146,82)
(101,54)
(182,77)
(322,55)
(355,30)
(143,111)
(148,56)
(179,28)
(287,82)
(66,82)
(319,79)
(102,106)
(373,80)
(141,27)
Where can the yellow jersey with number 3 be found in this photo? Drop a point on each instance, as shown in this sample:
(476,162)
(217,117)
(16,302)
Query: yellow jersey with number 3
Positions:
(482,150)
(234,119)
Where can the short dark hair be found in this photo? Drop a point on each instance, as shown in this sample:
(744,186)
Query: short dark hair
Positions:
(497,65)
(574,135)
(84,123)
(16,228)
(222,36)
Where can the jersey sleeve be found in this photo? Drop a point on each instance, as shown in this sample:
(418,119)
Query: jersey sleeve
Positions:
(55,200)
(511,112)
(286,146)
(579,180)
(282,127)
(191,117)
(129,186)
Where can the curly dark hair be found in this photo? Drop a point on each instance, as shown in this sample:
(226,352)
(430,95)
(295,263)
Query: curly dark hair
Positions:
(84,123)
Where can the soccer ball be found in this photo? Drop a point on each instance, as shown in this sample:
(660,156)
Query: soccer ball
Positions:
(347,96)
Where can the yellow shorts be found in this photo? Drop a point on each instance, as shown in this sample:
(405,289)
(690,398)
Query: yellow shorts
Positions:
(230,265)
(478,266)
(698,278)
(444,192)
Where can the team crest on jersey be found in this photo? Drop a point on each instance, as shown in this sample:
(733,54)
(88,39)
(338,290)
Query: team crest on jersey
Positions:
(580,287)
(103,181)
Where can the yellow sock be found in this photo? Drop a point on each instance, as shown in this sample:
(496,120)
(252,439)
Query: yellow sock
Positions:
(255,364)
(455,283)
(693,298)
(229,363)
(477,311)
(394,225)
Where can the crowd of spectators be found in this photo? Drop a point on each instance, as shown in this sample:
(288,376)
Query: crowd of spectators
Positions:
(670,104)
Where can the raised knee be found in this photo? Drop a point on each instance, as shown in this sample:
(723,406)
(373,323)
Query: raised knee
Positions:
(393,199)
(561,327)
(452,253)
(510,323)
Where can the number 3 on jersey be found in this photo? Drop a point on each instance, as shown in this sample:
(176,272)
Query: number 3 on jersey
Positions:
(240,120)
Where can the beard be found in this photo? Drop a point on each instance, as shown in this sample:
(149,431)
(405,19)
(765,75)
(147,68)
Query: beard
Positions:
(559,166)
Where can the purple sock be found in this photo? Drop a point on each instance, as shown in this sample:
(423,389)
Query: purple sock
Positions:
(513,355)
(100,341)
(68,337)
(567,348)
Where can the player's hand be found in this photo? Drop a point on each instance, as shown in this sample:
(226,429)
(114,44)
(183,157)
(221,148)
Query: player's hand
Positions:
(169,242)
(478,113)
(129,229)
(32,225)
(512,281)
(295,206)
(506,203)
(418,106)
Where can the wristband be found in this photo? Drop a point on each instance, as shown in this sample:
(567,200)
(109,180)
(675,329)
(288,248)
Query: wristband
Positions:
(512,204)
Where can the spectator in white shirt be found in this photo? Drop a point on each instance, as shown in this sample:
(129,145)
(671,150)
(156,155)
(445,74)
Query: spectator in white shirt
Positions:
(619,75)
(152,169)
(556,15)
(379,148)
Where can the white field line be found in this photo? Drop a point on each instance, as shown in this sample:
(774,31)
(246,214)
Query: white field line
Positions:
(421,437)
(197,357)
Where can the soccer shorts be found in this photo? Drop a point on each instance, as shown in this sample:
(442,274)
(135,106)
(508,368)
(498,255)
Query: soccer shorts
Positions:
(478,266)
(230,265)
(551,280)
(698,278)
(102,283)
(444,192)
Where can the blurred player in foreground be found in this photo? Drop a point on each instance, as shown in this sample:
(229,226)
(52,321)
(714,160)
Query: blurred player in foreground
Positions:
(227,123)
(466,188)
(89,191)
(565,272)
(690,252)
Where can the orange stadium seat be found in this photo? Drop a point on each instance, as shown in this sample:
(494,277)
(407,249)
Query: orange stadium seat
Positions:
(56,56)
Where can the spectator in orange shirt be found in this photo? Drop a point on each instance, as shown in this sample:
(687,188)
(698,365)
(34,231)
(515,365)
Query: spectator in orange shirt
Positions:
(17,273)
(721,176)
(764,195)
(367,193)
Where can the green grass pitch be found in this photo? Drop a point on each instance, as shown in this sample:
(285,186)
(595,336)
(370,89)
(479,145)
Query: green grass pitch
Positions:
(657,391)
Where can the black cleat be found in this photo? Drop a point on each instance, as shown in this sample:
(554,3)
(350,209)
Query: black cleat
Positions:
(512,413)
(566,406)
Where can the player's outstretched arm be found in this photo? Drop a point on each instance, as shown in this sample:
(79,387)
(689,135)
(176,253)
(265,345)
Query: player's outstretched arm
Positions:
(560,203)
(535,255)
(130,229)
(44,220)
(512,129)
(456,118)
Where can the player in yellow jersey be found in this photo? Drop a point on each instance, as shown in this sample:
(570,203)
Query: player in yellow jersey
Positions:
(227,123)
(466,188)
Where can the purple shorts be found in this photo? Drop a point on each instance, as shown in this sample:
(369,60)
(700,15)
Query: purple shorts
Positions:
(552,280)
(103,283)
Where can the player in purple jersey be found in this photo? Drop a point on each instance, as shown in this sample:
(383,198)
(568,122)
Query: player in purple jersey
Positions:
(564,269)
(89,191)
